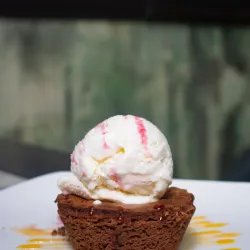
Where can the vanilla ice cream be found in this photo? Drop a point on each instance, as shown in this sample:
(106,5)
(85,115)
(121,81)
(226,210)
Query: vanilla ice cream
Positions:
(123,159)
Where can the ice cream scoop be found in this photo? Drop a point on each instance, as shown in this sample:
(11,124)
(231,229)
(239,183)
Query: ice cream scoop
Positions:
(123,159)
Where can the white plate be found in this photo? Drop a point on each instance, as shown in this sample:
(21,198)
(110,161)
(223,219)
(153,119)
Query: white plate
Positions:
(32,203)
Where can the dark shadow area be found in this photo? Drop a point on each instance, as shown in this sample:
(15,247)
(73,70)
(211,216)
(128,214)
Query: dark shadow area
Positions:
(241,169)
(148,10)
(31,161)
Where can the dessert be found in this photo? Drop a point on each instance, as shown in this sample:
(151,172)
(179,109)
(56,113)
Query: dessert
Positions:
(119,196)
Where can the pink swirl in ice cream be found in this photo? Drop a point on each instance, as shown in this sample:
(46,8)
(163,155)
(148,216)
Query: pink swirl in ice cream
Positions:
(123,159)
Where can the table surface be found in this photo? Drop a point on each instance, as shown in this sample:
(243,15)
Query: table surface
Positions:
(8,179)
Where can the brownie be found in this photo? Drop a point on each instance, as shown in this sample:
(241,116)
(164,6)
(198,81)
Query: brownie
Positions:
(158,225)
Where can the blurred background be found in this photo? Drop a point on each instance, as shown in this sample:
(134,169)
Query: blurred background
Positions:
(58,79)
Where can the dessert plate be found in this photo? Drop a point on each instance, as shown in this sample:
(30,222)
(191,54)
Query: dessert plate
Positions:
(28,215)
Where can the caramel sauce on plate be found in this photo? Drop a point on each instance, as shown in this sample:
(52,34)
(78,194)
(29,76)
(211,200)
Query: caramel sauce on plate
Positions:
(30,246)
(215,237)
(33,231)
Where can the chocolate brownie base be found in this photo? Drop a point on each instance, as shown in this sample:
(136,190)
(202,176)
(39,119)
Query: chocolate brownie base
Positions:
(158,226)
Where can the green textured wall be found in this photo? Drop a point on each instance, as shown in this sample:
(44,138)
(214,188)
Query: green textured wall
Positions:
(58,79)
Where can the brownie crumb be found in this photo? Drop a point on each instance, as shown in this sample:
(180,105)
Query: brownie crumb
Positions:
(54,232)
(59,232)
